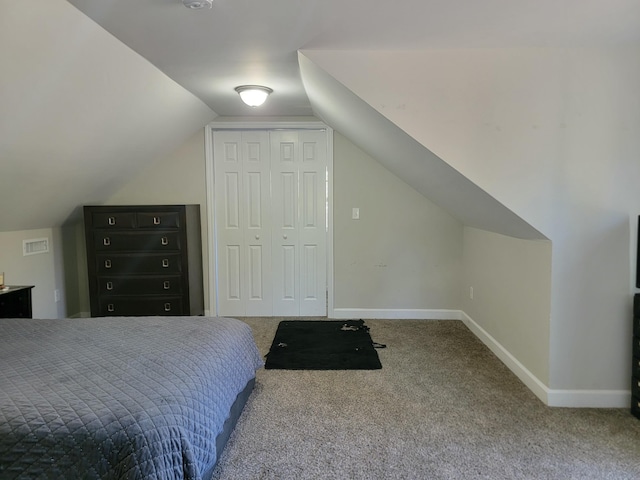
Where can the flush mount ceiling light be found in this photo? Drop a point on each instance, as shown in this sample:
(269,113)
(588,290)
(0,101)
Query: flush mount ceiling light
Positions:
(197,4)
(253,95)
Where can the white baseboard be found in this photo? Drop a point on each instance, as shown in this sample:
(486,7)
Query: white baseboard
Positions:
(550,397)
(392,314)
(589,398)
(538,388)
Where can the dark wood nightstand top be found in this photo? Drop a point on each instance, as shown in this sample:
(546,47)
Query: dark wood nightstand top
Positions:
(13,288)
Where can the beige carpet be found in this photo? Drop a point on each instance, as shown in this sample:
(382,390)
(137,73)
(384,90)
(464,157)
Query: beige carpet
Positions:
(442,407)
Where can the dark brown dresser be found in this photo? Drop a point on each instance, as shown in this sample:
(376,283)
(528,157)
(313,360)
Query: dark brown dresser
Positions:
(144,260)
(635,369)
(15,302)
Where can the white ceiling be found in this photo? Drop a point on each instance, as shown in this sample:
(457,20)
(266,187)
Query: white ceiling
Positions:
(209,52)
(81,111)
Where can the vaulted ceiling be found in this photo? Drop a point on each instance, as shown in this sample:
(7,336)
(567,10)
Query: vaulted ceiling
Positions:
(92,90)
(211,51)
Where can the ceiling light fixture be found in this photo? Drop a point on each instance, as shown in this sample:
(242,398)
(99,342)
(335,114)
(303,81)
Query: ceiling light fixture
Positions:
(197,4)
(253,95)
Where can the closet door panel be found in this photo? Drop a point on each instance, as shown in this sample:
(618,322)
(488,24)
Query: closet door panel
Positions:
(228,215)
(232,274)
(257,228)
(242,222)
(285,160)
(313,222)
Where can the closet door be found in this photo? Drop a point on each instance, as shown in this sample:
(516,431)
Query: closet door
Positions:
(243,214)
(298,185)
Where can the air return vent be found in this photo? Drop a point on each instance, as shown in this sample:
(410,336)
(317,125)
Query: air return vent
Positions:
(35,245)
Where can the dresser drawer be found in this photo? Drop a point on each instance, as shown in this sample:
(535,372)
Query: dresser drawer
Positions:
(635,387)
(113,220)
(140,306)
(134,241)
(636,347)
(636,326)
(158,220)
(138,285)
(635,406)
(635,367)
(138,263)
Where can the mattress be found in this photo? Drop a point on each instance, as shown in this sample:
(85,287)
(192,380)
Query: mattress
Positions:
(120,398)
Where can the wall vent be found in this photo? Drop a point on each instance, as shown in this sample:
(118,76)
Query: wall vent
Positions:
(34,246)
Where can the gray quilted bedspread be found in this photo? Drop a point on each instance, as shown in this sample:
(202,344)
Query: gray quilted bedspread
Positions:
(118,398)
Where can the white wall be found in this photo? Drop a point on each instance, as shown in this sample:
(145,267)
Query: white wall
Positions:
(42,270)
(74,256)
(552,134)
(177,178)
(511,282)
(404,253)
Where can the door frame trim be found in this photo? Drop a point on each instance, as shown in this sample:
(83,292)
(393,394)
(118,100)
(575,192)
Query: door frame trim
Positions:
(249,124)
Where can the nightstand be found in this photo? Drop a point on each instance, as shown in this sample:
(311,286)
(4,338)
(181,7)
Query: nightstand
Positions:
(15,301)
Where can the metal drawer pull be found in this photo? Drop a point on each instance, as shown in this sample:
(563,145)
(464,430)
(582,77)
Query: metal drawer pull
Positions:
(106,241)
(107,263)
(112,220)
(156,220)
(109,285)
(165,262)
(166,285)
(164,241)
(167,307)
(110,307)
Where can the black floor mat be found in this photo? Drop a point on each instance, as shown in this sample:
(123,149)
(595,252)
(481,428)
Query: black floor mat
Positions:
(322,345)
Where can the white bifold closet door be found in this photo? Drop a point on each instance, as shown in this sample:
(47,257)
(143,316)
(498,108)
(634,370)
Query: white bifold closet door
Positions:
(242,222)
(271,228)
(299,222)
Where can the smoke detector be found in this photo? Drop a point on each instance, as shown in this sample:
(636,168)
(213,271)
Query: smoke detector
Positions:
(197,4)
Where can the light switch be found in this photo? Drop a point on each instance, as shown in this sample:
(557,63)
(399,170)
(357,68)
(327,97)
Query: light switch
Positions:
(355,213)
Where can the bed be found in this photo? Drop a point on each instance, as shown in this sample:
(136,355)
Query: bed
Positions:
(121,398)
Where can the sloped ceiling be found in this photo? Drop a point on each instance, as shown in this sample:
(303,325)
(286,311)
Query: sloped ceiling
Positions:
(79,112)
(236,42)
(408,159)
(93,90)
